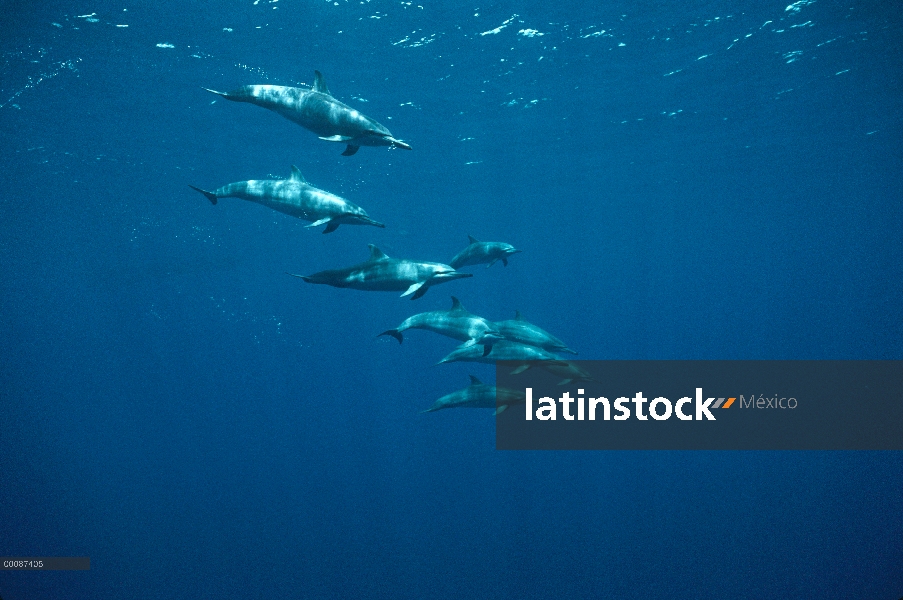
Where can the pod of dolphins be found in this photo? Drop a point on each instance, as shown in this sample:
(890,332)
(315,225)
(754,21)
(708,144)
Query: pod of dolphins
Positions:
(484,341)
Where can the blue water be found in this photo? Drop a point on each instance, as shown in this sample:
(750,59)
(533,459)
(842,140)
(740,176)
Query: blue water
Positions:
(688,180)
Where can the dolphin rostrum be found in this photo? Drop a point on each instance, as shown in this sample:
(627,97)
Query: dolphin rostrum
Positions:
(383,274)
(295,197)
(315,109)
(479,395)
(503,350)
(483,252)
(456,323)
(519,330)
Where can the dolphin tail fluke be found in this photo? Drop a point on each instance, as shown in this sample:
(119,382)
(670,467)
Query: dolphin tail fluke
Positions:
(394,333)
(351,149)
(210,195)
(304,277)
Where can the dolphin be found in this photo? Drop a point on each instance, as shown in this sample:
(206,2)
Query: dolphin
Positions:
(503,350)
(315,109)
(456,323)
(519,330)
(565,369)
(383,274)
(295,197)
(479,395)
(483,252)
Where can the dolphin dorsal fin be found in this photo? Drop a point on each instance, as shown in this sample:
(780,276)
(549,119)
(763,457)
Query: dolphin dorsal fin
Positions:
(517,316)
(296,175)
(456,306)
(320,84)
(377,254)
(474,380)
(473,240)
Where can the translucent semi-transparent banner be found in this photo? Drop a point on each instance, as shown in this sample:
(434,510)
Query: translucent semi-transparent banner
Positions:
(700,405)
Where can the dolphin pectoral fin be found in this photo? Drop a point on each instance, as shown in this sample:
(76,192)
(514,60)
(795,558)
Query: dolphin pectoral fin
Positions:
(210,195)
(394,333)
(336,138)
(520,369)
(320,222)
(331,224)
(505,262)
(500,409)
(492,262)
(304,277)
(486,349)
(351,149)
(419,293)
(414,288)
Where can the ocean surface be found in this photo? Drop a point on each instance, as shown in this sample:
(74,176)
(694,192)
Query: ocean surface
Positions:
(686,180)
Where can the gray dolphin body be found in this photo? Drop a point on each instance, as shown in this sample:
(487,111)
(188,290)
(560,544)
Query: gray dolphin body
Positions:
(479,395)
(383,274)
(315,109)
(295,197)
(483,252)
(567,370)
(519,330)
(455,323)
(503,350)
